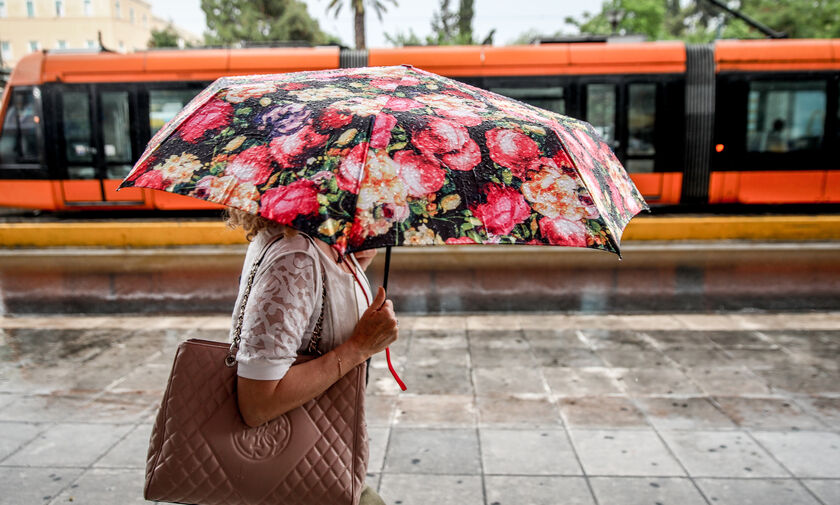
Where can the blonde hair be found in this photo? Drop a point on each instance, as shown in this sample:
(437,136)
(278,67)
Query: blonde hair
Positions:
(252,224)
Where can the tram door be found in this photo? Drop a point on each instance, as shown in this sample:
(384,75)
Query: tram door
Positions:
(95,144)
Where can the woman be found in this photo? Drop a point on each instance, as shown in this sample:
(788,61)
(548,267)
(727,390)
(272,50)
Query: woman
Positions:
(283,307)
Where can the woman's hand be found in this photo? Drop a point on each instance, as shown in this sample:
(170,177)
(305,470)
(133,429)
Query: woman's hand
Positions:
(376,329)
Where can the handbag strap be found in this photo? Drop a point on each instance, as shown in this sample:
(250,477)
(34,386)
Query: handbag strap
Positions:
(230,359)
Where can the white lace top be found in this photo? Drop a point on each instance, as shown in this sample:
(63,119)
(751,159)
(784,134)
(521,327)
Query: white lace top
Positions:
(285,302)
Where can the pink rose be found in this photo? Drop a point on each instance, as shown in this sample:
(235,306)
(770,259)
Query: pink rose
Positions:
(513,150)
(350,169)
(211,116)
(398,104)
(419,175)
(448,142)
(151,179)
(381,134)
(505,208)
(391,83)
(331,119)
(460,240)
(288,150)
(251,165)
(285,203)
(561,231)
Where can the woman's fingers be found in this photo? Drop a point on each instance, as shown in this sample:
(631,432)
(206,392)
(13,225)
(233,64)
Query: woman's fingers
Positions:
(379,300)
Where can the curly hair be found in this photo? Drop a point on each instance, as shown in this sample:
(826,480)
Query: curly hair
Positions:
(252,224)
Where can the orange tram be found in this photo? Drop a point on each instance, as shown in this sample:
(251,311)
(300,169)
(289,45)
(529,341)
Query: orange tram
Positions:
(737,122)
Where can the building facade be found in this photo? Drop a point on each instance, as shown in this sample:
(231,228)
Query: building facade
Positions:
(33,25)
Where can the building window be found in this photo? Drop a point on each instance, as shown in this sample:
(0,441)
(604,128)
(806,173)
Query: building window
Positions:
(59,8)
(117,12)
(88,8)
(145,21)
(30,8)
(2,8)
(61,44)
(91,44)
(6,48)
(131,15)
(34,46)
(122,47)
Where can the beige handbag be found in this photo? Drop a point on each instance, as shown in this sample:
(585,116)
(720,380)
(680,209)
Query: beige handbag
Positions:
(201,452)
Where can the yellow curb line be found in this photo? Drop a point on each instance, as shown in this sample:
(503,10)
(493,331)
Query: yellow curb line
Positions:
(181,233)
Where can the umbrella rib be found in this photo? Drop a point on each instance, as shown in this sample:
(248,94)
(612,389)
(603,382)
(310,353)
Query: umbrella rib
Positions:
(610,236)
(367,153)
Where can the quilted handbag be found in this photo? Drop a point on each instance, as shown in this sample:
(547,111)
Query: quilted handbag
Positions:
(202,452)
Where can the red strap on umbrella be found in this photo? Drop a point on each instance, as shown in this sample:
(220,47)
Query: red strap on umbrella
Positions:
(387,349)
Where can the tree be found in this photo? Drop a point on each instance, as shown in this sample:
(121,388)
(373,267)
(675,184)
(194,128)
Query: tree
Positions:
(165,37)
(242,21)
(449,27)
(358,7)
(699,21)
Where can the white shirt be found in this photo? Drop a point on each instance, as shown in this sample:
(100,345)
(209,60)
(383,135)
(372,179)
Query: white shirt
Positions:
(285,302)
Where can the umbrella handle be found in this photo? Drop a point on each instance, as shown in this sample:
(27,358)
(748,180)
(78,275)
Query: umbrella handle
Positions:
(387,268)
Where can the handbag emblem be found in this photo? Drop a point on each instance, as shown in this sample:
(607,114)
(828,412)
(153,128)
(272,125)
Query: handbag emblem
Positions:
(263,441)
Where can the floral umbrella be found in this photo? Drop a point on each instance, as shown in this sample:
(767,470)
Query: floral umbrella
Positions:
(385,156)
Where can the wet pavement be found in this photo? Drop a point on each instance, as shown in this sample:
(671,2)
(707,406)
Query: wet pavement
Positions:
(502,409)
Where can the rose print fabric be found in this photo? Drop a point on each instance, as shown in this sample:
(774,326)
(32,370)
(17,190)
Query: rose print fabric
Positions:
(368,157)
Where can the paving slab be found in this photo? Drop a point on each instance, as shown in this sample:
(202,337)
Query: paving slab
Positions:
(767,413)
(827,490)
(728,380)
(824,408)
(528,452)
(69,445)
(683,413)
(16,435)
(721,454)
(806,453)
(498,412)
(441,411)
(130,452)
(509,381)
(624,452)
(433,451)
(32,486)
(560,356)
(646,491)
(588,381)
(106,486)
(536,490)
(601,412)
(377,445)
(420,489)
(656,381)
(756,492)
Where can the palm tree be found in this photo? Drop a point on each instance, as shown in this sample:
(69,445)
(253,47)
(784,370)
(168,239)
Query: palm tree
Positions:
(358,7)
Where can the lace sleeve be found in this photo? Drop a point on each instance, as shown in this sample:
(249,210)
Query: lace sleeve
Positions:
(280,306)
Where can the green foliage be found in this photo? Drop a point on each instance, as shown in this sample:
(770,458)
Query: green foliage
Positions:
(262,21)
(698,21)
(166,37)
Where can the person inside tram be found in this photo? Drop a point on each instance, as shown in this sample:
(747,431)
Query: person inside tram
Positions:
(776,141)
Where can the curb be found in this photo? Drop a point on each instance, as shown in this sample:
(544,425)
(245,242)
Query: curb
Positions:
(190,233)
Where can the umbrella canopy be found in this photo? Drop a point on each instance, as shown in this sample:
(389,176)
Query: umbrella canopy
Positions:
(387,156)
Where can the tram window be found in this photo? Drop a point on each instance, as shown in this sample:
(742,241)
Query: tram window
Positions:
(551,98)
(785,116)
(19,140)
(164,104)
(641,119)
(117,133)
(600,110)
(77,134)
